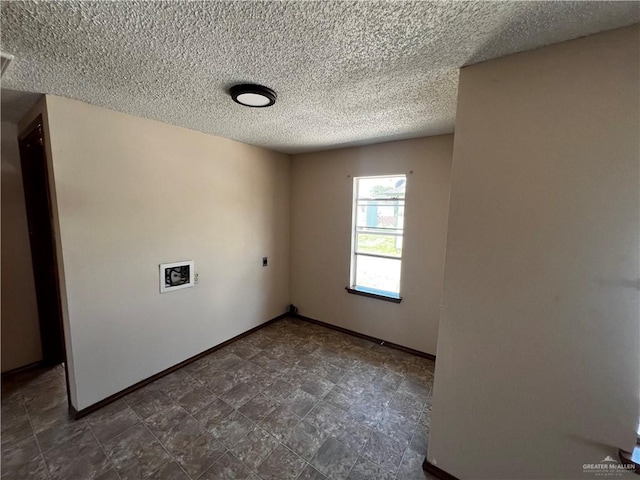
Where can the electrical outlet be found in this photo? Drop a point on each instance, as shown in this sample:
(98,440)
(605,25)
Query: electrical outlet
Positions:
(196,277)
(265,261)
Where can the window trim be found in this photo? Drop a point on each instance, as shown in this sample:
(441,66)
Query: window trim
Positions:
(386,297)
(371,292)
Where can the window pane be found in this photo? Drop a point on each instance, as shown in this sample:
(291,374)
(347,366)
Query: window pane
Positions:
(378,273)
(373,214)
(381,187)
(389,245)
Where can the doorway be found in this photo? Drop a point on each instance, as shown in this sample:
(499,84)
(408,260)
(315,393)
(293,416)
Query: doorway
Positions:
(35,177)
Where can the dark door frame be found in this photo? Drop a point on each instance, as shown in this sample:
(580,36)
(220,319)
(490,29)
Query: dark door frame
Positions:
(43,244)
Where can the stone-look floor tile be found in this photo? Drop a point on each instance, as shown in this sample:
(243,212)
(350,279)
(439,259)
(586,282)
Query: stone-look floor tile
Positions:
(282,464)
(296,375)
(163,421)
(280,390)
(16,430)
(366,414)
(253,448)
(245,350)
(419,391)
(397,427)
(144,393)
(389,380)
(420,375)
(226,363)
(240,394)
(420,440)
(111,421)
(323,416)
(32,469)
(136,453)
(406,405)
(10,392)
(334,459)
(425,417)
(305,440)
(110,474)
(310,473)
(211,414)
(196,398)
(43,419)
(60,433)
(81,457)
(44,395)
(300,402)
(227,467)
(230,429)
(310,363)
(275,366)
(200,454)
(196,366)
(331,372)
(262,359)
(280,422)
(220,382)
(180,435)
(366,470)
(153,403)
(169,471)
(13,412)
(354,382)
(247,371)
(351,433)
(376,396)
(395,365)
(383,451)
(411,466)
(258,407)
(276,349)
(16,454)
(265,379)
(338,397)
(301,360)
(178,384)
(316,386)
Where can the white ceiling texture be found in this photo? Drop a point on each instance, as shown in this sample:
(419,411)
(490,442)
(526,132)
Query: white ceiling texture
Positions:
(345,73)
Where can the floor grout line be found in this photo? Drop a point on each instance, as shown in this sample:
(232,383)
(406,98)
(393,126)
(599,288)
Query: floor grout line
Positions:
(35,437)
(103,450)
(161,444)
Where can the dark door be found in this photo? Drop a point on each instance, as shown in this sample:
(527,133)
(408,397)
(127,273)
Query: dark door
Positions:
(43,253)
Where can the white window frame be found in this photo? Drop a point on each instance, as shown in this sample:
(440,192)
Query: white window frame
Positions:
(363,290)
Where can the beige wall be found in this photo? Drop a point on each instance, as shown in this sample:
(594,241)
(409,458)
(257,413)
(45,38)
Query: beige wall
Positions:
(321,202)
(538,354)
(133,193)
(20,328)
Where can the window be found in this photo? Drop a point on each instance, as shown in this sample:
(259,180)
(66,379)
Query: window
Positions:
(377,233)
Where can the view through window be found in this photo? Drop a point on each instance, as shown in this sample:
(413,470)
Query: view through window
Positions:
(378,225)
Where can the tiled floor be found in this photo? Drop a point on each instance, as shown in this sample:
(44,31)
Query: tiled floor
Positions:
(291,401)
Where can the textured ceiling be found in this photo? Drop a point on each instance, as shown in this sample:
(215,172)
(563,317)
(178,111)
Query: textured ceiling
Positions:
(345,72)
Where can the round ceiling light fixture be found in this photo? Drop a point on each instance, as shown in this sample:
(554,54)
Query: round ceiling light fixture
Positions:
(251,95)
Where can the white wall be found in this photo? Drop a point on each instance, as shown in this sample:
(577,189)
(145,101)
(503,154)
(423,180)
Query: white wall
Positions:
(538,354)
(133,193)
(20,328)
(321,203)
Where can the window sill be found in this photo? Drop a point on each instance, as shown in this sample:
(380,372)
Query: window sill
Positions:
(372,294)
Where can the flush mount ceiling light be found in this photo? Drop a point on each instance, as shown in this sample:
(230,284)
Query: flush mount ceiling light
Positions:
(251,95)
